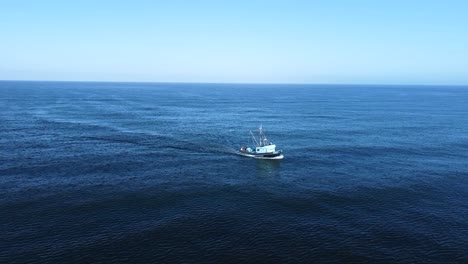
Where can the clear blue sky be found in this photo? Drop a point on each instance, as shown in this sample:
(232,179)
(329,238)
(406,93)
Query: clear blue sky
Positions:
(388,42)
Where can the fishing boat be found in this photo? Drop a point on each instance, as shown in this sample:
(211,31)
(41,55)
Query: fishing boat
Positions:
(264,149)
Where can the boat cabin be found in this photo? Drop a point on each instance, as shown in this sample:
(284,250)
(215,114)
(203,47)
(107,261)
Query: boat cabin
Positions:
(266,149)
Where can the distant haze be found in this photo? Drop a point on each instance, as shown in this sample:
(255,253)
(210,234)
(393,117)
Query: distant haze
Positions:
(380,42)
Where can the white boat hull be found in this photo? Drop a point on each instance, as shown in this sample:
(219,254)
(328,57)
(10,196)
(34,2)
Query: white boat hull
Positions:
(260,157)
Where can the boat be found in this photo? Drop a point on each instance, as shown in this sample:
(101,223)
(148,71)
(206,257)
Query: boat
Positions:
(264,149)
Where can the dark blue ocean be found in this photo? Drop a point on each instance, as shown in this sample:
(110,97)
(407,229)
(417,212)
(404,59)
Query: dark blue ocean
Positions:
(147,173)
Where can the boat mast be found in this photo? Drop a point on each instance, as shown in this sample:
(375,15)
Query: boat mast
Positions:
(261,135)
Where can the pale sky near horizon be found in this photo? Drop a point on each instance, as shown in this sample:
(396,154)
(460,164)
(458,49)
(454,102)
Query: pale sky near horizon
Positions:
(371,42)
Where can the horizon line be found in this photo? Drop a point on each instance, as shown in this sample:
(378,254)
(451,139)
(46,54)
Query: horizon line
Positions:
(234,83)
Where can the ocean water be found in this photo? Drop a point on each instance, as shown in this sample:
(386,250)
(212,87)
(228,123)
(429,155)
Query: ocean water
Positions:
(148,173)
